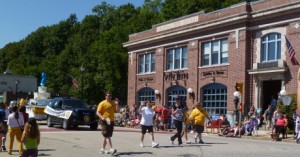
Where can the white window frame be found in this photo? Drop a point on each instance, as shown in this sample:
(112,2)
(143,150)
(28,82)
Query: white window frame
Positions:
(207,52)
(259,34)
(267,51)
(142,58)
(181,58)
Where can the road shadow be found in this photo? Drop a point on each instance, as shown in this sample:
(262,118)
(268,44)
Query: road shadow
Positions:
(190,145)
(214,143)
(41,152)
(132,153)
(46,150)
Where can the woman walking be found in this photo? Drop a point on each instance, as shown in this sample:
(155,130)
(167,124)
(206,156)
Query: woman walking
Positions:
(31,138)
(177,116)
(197,117)
(15,124)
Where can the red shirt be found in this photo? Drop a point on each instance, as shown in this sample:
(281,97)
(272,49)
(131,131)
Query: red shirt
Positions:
(164,113)
(280,122)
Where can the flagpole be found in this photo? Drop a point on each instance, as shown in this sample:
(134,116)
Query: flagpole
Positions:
(82,69)
(298,92)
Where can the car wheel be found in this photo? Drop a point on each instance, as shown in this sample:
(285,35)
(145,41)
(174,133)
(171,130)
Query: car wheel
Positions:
(75,126)
(49,124)
(94,126)
(66,124)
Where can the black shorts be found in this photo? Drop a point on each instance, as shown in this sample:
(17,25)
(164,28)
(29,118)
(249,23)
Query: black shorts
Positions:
(199,128)
(145,128)
(164,120)
(107,130)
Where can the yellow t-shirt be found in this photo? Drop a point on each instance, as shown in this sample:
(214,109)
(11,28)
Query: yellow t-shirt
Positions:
(107,109)
(198,116)
(187,120)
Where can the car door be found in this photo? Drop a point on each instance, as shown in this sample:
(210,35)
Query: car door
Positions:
(57,105)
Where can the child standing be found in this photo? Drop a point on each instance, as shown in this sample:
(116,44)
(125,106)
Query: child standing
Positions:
(186,124)
(30,138)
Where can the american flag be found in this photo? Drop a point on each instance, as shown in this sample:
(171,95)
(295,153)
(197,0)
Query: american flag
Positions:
(291,52)
(74,82)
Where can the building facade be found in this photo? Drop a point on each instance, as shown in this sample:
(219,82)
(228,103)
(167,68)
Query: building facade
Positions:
(14,87)
(206,57)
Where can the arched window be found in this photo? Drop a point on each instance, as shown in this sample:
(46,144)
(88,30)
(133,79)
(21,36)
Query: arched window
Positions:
(146,94)
(215,98)
(271,47)
(176,91)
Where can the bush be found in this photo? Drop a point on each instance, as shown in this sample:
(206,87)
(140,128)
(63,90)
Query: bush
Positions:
(289,110)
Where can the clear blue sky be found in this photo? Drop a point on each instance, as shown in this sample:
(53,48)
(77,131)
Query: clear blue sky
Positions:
(19,18)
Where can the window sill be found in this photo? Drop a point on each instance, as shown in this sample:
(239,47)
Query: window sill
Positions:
(145,74)
(211,66)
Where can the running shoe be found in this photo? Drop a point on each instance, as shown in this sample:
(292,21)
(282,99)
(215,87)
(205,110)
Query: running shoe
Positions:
(201,142)
(172,142)
(103,151)
(154,145)
(188,142)
(195,138)
(112,151)
(3,148)
(141,145)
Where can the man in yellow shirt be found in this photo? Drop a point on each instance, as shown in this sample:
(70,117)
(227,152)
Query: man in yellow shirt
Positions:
(197,118)
(106,112)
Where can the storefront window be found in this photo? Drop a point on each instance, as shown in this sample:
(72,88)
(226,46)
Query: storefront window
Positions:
(215,98)
(176,91)
(146,94)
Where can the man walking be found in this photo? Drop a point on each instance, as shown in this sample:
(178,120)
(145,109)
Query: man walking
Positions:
(268,117)
(197,117)
(147,122)
(106,112)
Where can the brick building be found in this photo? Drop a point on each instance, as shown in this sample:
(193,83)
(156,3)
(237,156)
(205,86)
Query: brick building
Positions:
(201,57)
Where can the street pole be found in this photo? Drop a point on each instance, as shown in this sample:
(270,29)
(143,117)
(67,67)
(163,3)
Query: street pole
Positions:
(82,68)
(17,83)
(236,101)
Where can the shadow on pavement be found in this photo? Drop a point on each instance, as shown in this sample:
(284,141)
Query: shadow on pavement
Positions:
(189,145)
(44,154)
(215,143)
(132,153)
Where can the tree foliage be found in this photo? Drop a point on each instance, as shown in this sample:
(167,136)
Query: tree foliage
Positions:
(95,42)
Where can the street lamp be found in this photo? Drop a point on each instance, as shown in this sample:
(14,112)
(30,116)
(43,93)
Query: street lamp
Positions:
(282,93)
(82,69)
(17,84)
(236,100)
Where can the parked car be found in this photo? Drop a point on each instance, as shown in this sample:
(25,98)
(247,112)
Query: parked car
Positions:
(70,112)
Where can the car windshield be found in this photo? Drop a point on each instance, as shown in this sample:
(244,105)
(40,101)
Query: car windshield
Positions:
(42,102)
(74,104)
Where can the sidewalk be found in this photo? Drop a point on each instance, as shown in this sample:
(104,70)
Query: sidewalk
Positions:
(262,134)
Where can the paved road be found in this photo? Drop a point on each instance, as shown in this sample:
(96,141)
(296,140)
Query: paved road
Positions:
(56,142)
